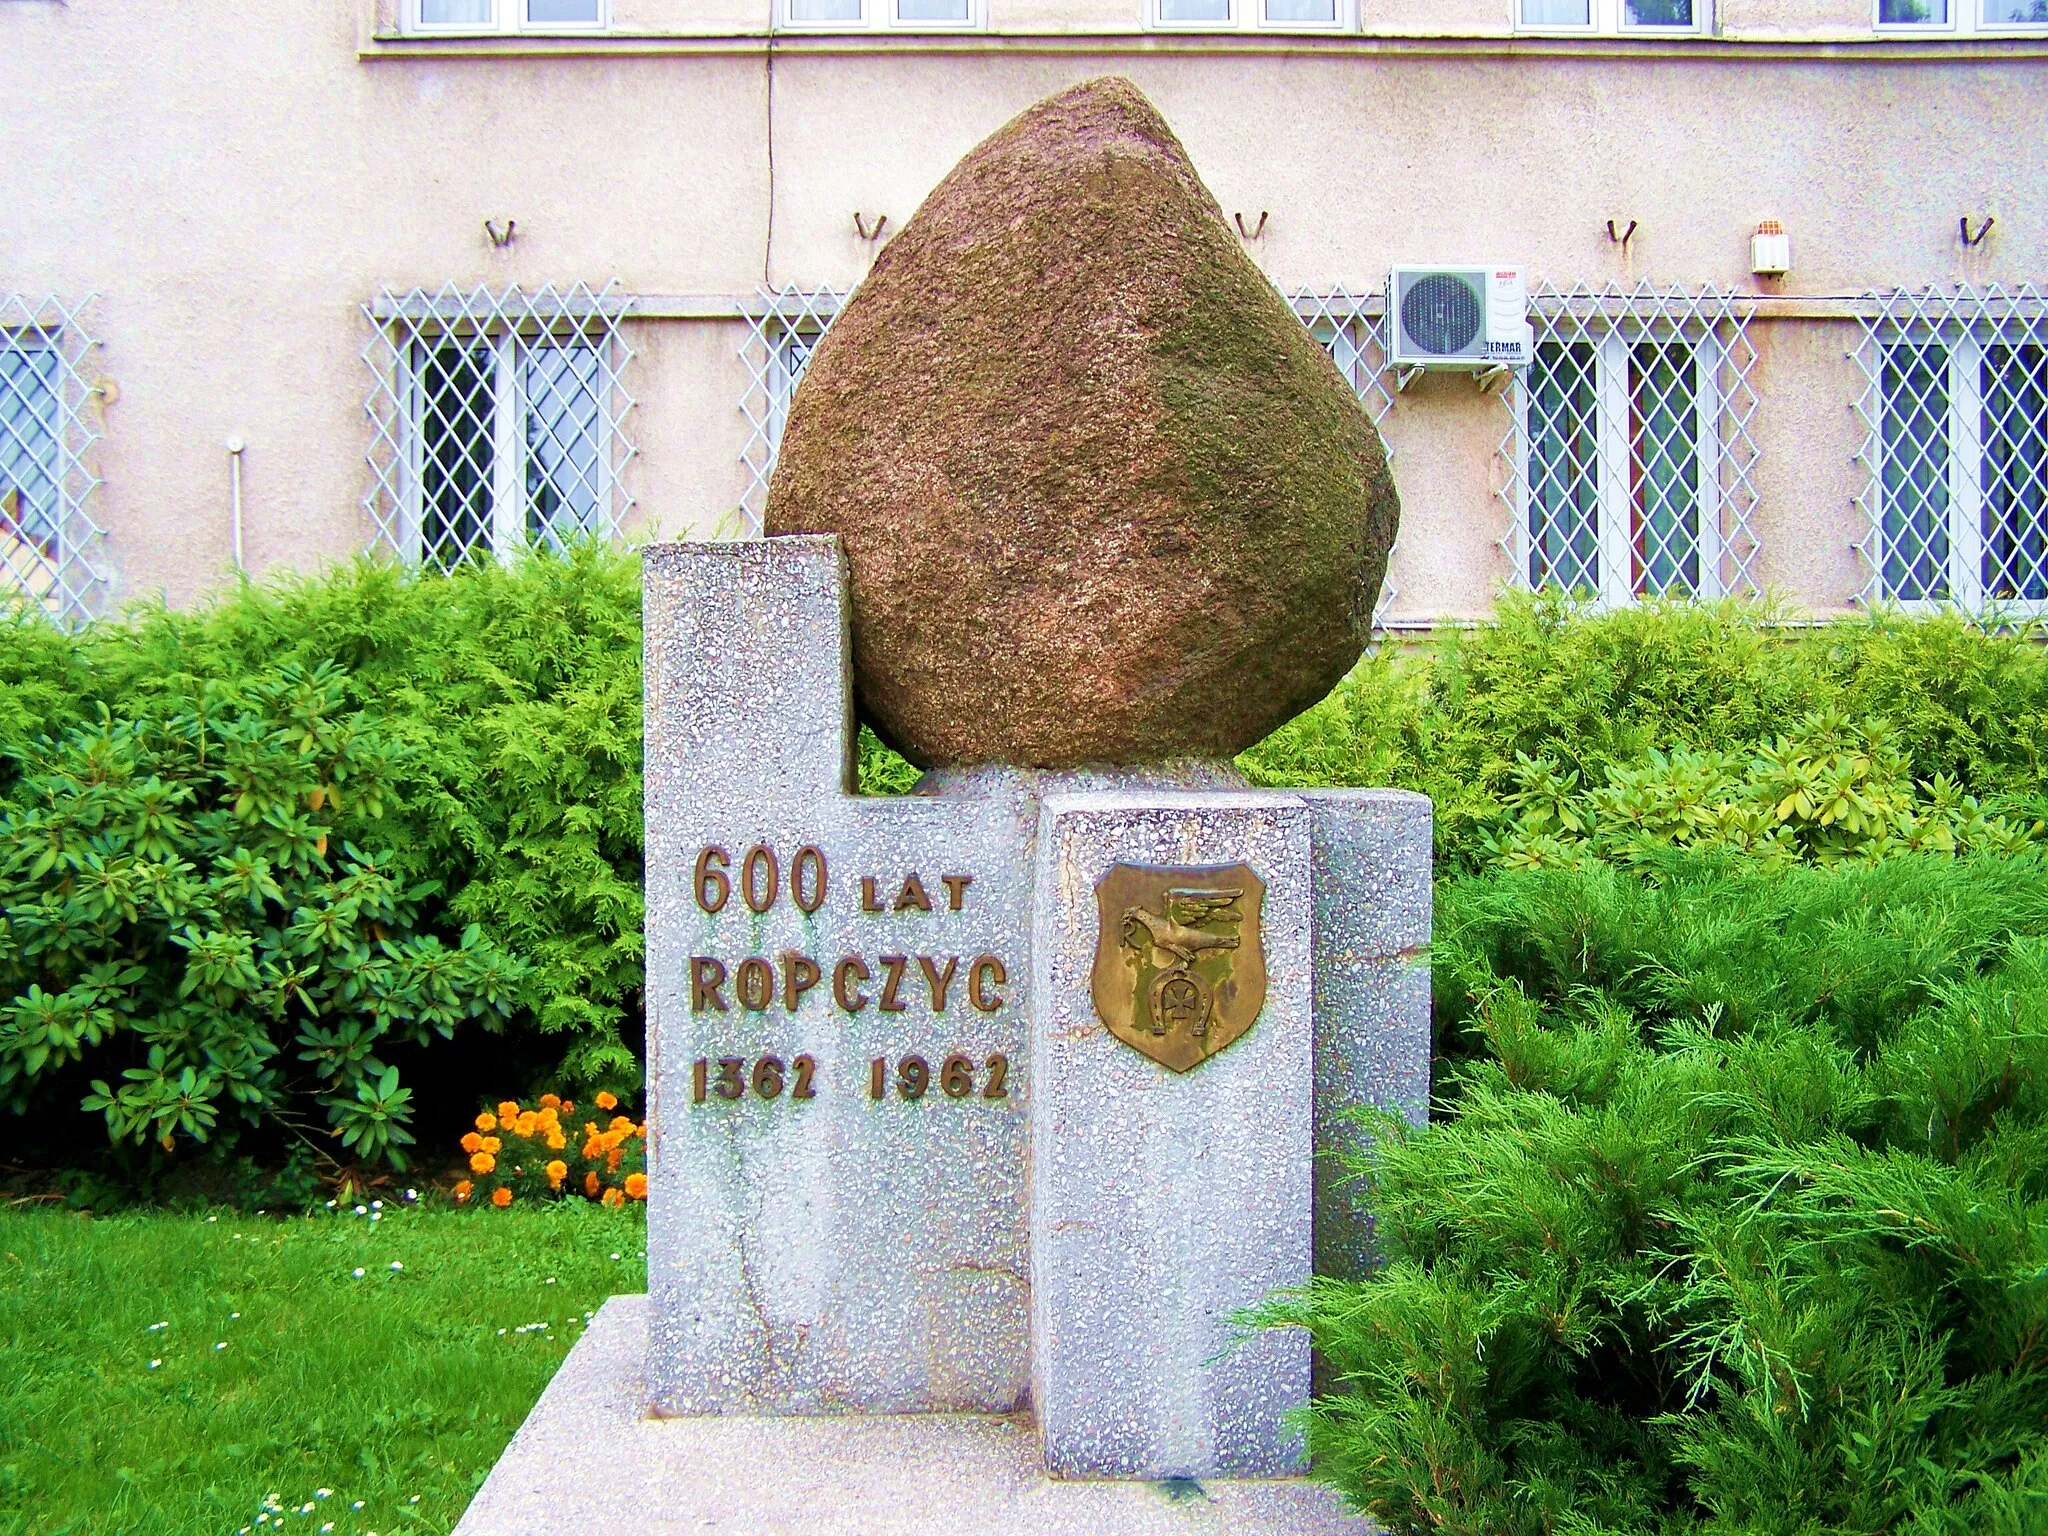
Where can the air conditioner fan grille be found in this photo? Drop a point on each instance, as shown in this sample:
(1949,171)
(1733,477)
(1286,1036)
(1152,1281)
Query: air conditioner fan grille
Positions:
(1441,315)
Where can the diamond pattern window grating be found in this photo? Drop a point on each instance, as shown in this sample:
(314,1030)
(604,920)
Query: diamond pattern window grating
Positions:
(51,551)
(1351,327)
(1629,454)
(1955,455)
(784,325)
(497,419)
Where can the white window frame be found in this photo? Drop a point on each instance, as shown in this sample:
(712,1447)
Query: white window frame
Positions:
(510,406)
(1613,462)
(882,16)
(1608,18)
(1964,568)
(1612,321)
(776,318)
(407,329)
(1250,16)
(68,581)
(508,18)
(1966,18)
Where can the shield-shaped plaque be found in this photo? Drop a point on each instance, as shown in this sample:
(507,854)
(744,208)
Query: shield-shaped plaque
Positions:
(1180,969)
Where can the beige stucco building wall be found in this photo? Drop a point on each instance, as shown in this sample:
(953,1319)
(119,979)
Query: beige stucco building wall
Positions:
(234,183)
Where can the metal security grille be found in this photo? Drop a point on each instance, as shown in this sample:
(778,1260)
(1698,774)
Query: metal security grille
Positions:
(49,545)
(783,327)
(497,419)
(1351,327)
(1630,460)
(1955,409)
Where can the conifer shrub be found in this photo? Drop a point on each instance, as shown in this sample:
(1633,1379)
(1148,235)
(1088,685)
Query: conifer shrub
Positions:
(1732,1214)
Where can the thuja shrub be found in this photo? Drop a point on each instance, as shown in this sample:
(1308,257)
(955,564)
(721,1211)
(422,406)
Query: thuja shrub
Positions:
(1733,1215)
(197,901)
(1553,702)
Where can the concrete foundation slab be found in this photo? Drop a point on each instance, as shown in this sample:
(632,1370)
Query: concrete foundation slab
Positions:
(588,1458)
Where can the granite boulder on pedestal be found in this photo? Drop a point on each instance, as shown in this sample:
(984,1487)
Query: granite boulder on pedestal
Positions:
(1104,498)
(1007,1098)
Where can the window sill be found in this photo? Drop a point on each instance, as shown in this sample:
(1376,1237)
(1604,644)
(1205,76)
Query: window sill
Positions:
(1191,39)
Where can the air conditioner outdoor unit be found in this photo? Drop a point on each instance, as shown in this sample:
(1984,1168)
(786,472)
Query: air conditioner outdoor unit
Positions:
(1470,318)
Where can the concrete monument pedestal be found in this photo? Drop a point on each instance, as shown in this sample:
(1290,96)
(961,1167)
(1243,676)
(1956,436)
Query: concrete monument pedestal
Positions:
(978,1117)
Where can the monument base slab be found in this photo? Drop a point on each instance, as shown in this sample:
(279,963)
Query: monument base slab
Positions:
(589,1458)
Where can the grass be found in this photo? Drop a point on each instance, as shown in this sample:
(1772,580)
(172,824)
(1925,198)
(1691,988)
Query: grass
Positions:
(395,1387)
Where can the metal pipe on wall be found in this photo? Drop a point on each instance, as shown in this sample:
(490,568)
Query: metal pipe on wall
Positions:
(235,446)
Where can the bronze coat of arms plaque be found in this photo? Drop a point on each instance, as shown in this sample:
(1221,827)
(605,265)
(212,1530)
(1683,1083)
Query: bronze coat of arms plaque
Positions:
(1180,969)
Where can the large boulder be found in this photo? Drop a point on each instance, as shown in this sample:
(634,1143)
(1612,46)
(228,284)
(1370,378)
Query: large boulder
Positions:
(1104,498)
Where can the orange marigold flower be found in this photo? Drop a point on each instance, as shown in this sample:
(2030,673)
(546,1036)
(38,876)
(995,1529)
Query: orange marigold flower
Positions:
(487,1121)
(509,1110)
(557,1141)
(462,1191)
(482,1162)
(636,1185)
(568,1106)
(612,1159)
(607,1102)
(556,1172)
(493,1146)
(613,1198)
(640,1130)
(590,1127)
(592,1150)
(471,1142)
(501,1197)
(550,1101)
(525,1124)
(621,1125)
(590,1185)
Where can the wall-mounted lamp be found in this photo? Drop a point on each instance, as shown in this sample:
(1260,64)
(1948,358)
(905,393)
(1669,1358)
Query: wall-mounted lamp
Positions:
(1770,250)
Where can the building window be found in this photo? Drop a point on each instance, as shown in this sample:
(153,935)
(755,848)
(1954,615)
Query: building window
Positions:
(1351,327)
(1957,411)
(864,15)
(497,421)
(49,546)
(1629,446)
(1962,18)
(1612,16)
(784,326)
(468,17)
(1243,15)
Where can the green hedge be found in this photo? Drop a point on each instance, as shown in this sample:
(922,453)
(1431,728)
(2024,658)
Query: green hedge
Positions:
(1554,736)
(498,712)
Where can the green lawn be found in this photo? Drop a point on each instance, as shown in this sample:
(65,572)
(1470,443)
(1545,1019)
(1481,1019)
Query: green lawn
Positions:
(172,1374)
